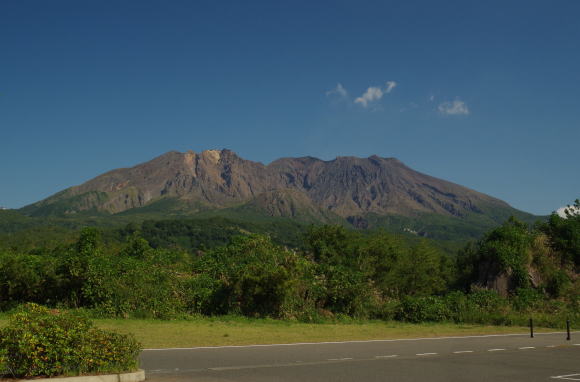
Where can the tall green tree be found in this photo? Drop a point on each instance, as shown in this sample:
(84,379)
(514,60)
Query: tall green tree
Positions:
(564,234)
(420,273)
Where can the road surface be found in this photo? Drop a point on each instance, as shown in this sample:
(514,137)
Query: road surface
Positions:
(547,357)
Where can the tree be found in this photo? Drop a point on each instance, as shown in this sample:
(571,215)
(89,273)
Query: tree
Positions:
(253,277)
(564,234)
(509,247)
(332,244)
(419,273)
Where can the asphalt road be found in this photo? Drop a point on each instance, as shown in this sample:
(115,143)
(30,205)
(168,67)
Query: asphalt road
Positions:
(484,358)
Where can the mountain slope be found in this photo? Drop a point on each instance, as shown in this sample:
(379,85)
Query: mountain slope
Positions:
(363,191)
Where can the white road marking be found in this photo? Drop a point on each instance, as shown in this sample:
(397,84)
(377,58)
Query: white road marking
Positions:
(267,366)
(338,359)
(352,342)
(426,354)
(568,377)
(575,344)
(496,349)
(527,347)
(387,356)
(462,351)
(551,346)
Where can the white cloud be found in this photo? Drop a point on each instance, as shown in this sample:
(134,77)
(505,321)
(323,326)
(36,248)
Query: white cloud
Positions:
(372,94)
(338,91)
(431,98)
(562,211)
(375,93)
(456,107)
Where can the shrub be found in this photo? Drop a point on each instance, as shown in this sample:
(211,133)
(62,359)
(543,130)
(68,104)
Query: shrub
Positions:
(126,286)
(420,309)
(25,277)
(487,300)
(43,342)
(527,299)
(250,276)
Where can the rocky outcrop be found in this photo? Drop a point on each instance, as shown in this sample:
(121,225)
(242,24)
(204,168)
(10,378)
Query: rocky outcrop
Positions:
(492,276)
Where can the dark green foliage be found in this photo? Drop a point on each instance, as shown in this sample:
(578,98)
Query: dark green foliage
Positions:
(345,290)
(449,229)
(527,299)
(421,273)
(74,264)
(137,247)
(25,277)
(487,307)
(121,286)
(43,342)
(564,234)
(509,246)
(214,266)
(250,276)
(537,257)
(343,273)
(138,280)
(481,306)
(487,300)
(558,283)
(420,309)
(188,234)
(12,221)
(332,244)
(202,234)
(361,270)
(392,265)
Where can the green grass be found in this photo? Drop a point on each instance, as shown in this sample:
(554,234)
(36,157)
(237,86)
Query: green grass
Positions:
(220,332)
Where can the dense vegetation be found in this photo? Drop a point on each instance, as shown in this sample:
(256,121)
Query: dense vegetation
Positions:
(165,269)
(43,342)
(182,233)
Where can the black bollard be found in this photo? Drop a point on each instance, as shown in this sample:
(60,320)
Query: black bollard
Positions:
(531,328)
(568,330)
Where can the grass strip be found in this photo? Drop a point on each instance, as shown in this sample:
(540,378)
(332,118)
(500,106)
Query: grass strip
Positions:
(223,331)
(215,332)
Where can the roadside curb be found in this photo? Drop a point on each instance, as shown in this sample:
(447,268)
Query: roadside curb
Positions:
(136,376)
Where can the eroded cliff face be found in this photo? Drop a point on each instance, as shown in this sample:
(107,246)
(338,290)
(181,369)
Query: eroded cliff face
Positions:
(345,186)
(350,186)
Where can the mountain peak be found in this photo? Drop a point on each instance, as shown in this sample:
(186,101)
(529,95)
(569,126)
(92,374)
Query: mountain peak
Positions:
(214,179)
(213,155)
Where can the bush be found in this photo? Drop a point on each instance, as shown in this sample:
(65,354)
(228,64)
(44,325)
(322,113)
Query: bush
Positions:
(25,277)
(487,300)
(250,276)
(43,342)
(527,300)
(125,286)
(420,309)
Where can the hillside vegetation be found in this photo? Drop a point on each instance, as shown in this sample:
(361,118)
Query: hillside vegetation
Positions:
(512,272)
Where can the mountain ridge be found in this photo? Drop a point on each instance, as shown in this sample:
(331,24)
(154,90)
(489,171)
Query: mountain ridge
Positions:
(303,188)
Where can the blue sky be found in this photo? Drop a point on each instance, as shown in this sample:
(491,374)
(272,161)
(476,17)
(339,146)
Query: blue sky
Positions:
(484,94)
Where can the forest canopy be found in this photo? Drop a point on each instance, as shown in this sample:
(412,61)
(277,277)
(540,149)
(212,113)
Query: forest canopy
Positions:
(142,270)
